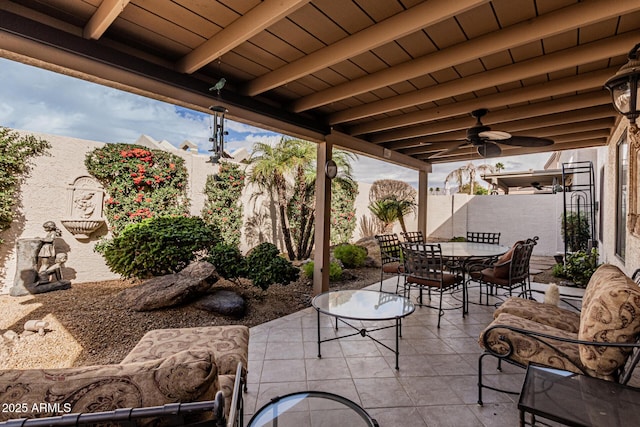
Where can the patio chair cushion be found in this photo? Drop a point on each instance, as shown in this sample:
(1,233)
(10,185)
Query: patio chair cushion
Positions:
(527,349)
(546,314)
(229,344)
(610,313)
(448,280)
(501,267)
(393,268)
(182,377)
(489,275)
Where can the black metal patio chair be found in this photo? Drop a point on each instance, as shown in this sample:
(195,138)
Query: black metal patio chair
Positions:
(390,257)
(424,269)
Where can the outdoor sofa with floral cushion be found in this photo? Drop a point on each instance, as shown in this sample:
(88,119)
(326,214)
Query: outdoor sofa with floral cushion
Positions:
(525,331)
(167,366)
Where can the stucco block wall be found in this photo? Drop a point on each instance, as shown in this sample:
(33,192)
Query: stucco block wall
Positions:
(607,250)
(516,217)
(44,197)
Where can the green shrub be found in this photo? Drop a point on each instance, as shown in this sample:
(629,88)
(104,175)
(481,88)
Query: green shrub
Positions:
(351,256)
(265,266)
(16,155)
(228,261)
(157,246)
(307,269)
(458,239)
(558,270)
(335,271)
(579,267)
(578,231)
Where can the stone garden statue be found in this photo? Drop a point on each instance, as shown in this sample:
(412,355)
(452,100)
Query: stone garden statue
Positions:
(39,266)
(47,252)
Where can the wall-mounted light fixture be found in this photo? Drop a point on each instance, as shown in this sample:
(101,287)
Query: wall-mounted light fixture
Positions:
(331,169)
(217,133)
(625,93)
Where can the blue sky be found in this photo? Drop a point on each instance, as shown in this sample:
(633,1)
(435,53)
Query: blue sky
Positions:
(38,100)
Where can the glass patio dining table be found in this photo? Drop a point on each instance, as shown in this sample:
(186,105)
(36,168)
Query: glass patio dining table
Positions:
(459,254)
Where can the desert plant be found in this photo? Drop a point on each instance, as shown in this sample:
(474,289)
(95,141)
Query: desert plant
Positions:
(15,153)
(580,266)
(351,256)
(370,226)
(335,271)
(385,211)
(228,260)
(576,231)
(158,245)
(265,266)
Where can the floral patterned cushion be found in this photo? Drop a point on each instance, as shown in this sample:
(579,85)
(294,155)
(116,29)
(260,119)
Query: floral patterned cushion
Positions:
(610,313)
(527,349)
(229,344)
(186,376)
(546,314)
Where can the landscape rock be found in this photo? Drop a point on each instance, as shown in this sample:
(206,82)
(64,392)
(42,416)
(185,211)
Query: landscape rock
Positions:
(373,250)
(225,302)
(172,289)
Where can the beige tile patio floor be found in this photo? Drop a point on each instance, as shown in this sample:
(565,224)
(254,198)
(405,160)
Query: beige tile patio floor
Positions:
(436,384)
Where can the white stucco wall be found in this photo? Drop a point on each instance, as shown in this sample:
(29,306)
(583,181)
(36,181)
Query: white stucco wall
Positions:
(44,198)
(607,251)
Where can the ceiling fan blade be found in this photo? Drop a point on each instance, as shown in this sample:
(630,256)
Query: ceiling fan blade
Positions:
(494,135)
(489,149)
(448,150)
(527,141)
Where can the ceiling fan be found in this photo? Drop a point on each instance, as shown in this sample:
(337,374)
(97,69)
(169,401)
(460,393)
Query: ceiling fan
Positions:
(486,140)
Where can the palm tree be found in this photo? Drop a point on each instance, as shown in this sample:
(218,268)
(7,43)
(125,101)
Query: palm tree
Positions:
(271,167)
(304,211)
(469,170)
(288,172)
(499,167)
(386,212)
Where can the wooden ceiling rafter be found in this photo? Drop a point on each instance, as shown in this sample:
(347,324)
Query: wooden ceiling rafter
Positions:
(547,25)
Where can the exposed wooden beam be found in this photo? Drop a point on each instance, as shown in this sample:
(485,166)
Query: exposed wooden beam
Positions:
(242,29)
(565,85)
(107,12)
(561,20)
(393,28)
(584,54)
(360,146)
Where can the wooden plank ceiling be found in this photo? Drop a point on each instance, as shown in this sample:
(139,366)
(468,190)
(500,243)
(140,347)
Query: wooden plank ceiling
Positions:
(395,79)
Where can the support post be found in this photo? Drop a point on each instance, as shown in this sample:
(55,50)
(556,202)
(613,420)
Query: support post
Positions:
(323,220)
(423,185)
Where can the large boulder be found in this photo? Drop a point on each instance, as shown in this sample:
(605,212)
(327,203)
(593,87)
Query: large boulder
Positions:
(373,250)
(173,289)
(221,301)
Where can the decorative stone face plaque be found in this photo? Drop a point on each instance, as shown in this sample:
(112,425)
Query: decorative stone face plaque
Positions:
(84,207)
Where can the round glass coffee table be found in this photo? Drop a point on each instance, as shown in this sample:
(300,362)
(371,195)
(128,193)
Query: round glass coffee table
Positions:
(311,408)
(363,305)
